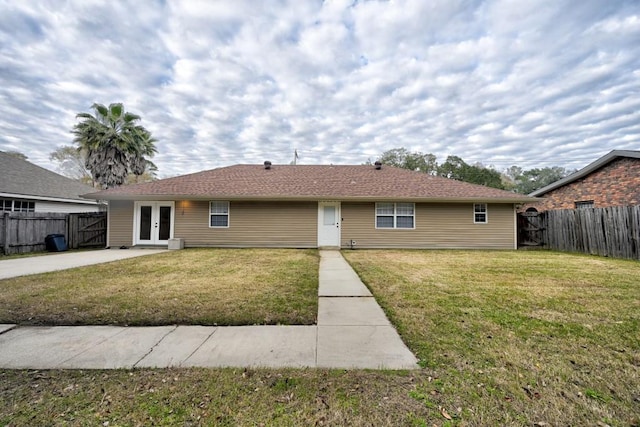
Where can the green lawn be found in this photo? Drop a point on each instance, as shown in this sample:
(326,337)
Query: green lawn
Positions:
(504,338)
(516,337)
(208,397)
(193,287)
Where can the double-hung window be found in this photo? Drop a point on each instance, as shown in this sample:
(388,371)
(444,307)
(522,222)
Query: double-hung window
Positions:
(219,214)
(480,213)
(395,215)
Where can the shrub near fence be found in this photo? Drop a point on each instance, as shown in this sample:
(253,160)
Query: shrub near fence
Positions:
(25,232)
(612,232)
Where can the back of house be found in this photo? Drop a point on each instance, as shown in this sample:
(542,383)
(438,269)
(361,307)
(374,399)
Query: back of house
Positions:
(311,206)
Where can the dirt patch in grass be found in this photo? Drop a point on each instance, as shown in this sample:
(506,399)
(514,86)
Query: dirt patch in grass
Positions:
(220,397)
(191,287)
(516,338)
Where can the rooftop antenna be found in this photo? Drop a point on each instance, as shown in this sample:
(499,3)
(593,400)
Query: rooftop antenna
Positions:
(295,156)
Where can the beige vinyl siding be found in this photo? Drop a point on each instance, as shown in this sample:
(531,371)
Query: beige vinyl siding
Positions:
(120,219)
(295,224)
(438,225)
(251,224)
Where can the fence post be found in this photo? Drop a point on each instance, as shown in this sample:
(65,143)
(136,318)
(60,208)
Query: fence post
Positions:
(71,230)
(66,226)
(6,233)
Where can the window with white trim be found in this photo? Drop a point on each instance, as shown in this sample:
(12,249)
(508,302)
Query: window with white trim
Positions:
(8,205)
(584,204)
(395,215)
(23,206)
(480,213)
(218,214)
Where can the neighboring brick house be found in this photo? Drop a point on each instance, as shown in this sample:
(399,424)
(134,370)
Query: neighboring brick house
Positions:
(612,180)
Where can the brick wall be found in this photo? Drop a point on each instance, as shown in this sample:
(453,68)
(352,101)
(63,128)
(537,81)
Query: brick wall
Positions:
(615,184)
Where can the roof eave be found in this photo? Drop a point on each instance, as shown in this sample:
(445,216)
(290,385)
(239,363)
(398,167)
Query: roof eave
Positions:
(49,198)
(279,198)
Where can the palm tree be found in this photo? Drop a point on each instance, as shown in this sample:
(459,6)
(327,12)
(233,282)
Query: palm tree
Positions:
(115,145)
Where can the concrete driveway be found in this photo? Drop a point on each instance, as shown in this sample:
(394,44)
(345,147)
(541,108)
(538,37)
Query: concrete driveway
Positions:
(61,261)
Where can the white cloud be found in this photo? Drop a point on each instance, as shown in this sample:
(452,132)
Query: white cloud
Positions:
(499,82)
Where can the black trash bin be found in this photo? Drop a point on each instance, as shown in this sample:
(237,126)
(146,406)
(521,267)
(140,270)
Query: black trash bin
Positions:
(55,243)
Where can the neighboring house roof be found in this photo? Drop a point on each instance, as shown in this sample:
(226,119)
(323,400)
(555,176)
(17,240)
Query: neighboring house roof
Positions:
(310,182)
(591,167)
(19,178)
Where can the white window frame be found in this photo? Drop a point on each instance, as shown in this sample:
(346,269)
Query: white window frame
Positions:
(13,205)
(30,206)
(395,216)
(584,204)
(8,203)
(484,212)
(227,213)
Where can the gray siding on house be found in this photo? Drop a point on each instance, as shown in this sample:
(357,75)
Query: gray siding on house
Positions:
(120,223)
(437,225)
(251,224)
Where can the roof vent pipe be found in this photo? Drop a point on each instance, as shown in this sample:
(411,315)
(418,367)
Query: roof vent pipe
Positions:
(267,164)
(378,164)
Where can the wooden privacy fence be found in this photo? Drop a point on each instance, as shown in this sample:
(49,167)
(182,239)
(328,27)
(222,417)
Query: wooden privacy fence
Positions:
(25,232)
(87,230)
(612,232)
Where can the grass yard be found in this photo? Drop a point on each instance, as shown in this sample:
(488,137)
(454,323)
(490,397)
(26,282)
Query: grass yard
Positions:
(208,397)
(191,287)
(516,338)
(506,338)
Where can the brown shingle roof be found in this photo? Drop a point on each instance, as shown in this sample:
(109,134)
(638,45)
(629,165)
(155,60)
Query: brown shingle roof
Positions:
(309,182)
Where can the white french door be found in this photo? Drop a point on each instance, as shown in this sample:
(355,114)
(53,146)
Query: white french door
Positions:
(153,223)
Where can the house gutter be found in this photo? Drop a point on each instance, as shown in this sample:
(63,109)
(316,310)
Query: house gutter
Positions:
(278,198)
(49,199)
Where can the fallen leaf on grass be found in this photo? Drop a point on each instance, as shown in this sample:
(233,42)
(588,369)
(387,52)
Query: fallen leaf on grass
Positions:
(286,399)
(445,413)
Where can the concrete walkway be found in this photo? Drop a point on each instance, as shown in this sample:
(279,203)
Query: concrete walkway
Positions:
(352,332)
(61,261)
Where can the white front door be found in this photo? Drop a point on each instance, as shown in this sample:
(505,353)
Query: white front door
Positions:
(153,223)
(329,224)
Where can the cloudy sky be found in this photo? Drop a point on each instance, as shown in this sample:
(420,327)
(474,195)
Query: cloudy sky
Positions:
(524,82)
